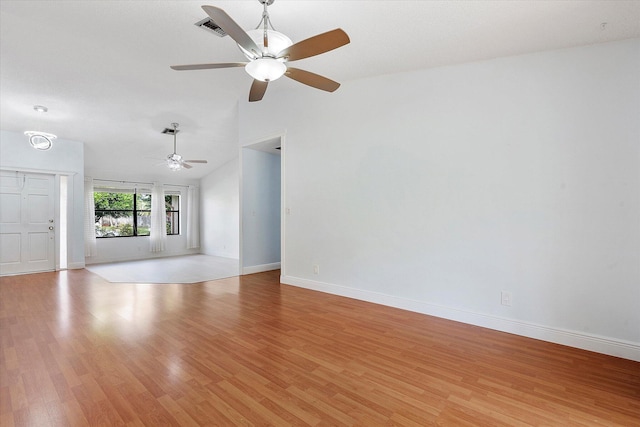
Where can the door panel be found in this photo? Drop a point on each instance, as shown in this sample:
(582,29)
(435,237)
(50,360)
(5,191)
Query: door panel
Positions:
(27,212)
(38,245)
(10,248)
(8,212)
(37,206)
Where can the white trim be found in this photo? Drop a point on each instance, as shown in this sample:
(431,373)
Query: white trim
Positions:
(57,237)
(224,254)
(260,268)
(143,256)
(274,135)
(283,202)
(605,345)
(75,265)
(240,210)
(40,171)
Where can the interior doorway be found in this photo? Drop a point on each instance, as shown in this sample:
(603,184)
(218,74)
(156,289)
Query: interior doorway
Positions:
(261,206)
(27,222)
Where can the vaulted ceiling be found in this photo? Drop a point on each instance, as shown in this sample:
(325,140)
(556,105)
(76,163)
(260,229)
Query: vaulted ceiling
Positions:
(102,67)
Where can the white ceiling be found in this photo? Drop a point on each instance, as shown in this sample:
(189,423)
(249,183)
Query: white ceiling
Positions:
(102,67)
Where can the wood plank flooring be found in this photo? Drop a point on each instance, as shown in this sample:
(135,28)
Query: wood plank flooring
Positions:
(248,351)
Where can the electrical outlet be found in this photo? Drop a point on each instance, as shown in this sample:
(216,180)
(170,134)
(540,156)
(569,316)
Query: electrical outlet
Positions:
(506,298)
(316,269)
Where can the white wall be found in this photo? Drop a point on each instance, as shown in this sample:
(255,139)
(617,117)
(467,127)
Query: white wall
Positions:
(435,190)
(66,157)
(220,211)
(260,210)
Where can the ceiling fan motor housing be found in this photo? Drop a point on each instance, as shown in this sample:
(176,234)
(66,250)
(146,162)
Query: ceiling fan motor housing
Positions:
(277,43)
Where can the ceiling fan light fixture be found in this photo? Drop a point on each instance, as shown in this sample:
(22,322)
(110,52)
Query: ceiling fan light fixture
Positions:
(174,165)
(266,69)
(174,162)
(40,140)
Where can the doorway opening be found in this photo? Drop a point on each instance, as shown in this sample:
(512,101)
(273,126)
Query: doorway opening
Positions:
(261,221)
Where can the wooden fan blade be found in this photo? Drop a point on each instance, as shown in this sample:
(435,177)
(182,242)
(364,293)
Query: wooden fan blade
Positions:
(315,45)
(186,166)
(258,88)
(312,79)
(195,161)
(230,27)
(208,66)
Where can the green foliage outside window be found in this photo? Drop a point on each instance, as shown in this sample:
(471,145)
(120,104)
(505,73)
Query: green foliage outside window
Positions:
(119,204)
(129,214)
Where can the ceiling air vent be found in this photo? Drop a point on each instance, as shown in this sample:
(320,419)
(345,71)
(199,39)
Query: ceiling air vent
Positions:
(211,26)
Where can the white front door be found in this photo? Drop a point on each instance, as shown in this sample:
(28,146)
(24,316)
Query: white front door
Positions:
(27,233)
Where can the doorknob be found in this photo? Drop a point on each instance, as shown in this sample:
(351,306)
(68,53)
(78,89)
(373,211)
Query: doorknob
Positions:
(51,221)
(51,227)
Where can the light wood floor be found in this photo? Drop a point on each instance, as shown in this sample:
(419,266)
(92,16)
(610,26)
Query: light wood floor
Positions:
(76,350)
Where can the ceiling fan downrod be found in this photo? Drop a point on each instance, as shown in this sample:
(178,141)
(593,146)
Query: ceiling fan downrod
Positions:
(175,131)
(265,22)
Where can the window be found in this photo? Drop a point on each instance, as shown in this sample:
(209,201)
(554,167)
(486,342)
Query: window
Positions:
(172,206)
(126,213)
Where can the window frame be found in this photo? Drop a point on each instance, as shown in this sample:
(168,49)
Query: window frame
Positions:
(172,212)
(175,213)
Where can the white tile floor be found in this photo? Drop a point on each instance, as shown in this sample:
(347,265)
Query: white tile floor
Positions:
(179,269)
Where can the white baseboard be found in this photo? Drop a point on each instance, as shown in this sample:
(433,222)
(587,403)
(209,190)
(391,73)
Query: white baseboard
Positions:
(75,265)
(599,344)
(260,268)
(222,254)
(141,257)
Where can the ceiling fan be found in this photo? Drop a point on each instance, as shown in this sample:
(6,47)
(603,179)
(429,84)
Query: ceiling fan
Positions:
(174,161)
(269,51)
